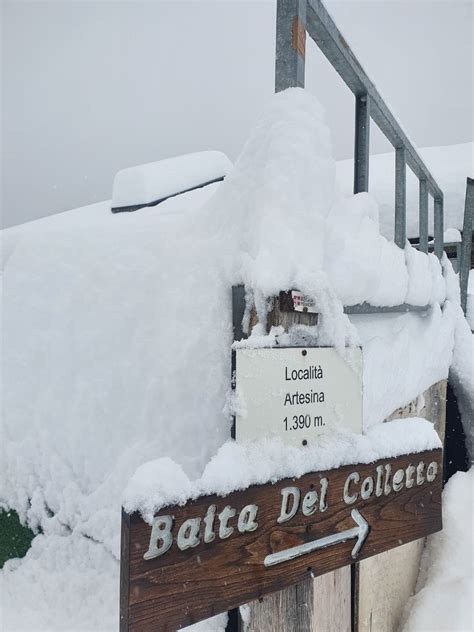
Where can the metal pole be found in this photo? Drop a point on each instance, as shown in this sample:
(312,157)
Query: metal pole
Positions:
(458,257)
(466,245)
(400,196)
(438,227)
(361,143)
(324,32)
(423,215)
(290,44)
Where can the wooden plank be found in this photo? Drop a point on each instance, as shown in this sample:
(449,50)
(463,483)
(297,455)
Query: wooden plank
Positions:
(332,601)
(289,610)
(430,405)
(386,581)
(320,605)
(283,314)
(124,571)
(383,583)
(182,587)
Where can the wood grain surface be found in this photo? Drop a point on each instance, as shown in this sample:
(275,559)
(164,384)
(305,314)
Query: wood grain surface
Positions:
(182,587)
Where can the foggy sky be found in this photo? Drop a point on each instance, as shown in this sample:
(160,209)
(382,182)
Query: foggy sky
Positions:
(89,88)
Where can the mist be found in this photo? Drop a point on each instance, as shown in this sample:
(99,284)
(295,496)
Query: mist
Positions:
(89,88)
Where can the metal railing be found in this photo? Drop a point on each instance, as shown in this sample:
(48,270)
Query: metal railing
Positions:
(295,19)
(466,244)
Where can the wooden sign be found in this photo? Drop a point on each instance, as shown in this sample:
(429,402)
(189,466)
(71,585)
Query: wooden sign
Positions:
(217,553)
(296,393)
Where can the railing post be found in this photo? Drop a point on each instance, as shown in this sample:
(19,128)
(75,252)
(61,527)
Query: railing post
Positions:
(423,216)
(290,44)
(361,143)
(400,196)
(466,245)
(438,227)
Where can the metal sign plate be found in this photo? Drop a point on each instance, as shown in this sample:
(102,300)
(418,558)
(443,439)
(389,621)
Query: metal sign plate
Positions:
(302,303)
(297,393)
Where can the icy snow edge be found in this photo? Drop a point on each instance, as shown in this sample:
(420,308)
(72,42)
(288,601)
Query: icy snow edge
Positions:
(237,466)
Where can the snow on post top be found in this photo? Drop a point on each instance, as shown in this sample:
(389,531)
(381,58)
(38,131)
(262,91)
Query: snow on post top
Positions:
(148,184)
(272,206)
(452,235)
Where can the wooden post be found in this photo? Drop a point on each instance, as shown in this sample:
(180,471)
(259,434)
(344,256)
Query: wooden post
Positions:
(322,604)
(366,596)
(383,584)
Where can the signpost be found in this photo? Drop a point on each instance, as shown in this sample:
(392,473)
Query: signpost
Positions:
(216,553)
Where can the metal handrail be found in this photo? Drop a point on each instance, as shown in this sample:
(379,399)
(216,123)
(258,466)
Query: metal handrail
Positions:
(466,244)
(295,18)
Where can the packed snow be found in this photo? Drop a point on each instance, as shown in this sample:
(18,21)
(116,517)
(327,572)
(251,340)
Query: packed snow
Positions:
(146,184)
(443,600)
(117,338)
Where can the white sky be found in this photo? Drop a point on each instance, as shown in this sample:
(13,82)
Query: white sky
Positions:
(91,87)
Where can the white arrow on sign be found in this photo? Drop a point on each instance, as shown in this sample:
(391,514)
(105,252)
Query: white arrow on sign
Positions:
(360,532)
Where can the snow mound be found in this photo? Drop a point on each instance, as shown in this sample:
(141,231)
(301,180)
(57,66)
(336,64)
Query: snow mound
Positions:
(443,601)
(452,235)
(65,582)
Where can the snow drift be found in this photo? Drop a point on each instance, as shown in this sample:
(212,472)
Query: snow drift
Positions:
(117,337)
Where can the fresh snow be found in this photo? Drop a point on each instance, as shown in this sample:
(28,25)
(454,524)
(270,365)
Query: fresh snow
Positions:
(443,599)
(404,354)
(450,166)
(145,184)
(452,235)
(237,466)
(117,337)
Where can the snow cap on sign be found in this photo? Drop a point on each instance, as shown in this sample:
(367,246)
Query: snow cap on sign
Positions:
(155,181)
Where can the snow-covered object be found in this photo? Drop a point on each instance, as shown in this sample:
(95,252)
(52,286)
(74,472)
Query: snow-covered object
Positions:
(450,167)
(404,354)
(443,600)
(288,227)
(237,466)
(147,184)
(452,235)
(117,337)
(118,327)
(272,207)
(354,244)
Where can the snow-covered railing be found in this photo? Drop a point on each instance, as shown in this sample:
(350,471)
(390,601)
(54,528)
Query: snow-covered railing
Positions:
(466,244)
(295,18)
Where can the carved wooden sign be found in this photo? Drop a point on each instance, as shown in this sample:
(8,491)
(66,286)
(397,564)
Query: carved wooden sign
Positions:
(216,553)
